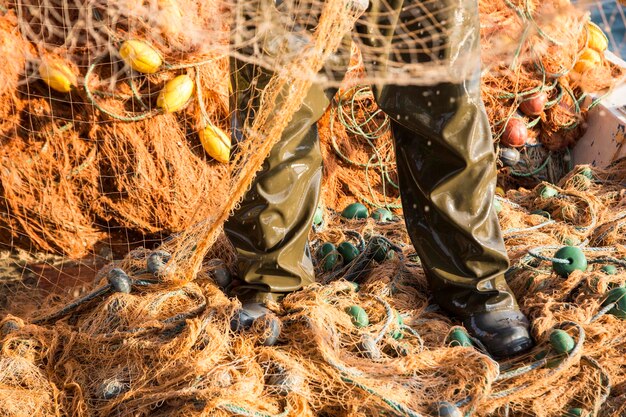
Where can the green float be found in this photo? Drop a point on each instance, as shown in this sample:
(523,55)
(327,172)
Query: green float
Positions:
(561,341)
(459,337)
(318,217)
(617,296)
(497,205)
(609,269)
(347,251)
(355,211)
(548,192)
(328,256)
(358,316)
(576,258)
(382,215)
(380,249)
(397,333)
(575,412)
(586,172)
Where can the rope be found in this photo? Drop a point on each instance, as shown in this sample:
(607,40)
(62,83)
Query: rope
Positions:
(242,411)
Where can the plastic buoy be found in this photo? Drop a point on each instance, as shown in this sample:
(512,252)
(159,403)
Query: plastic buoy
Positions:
(446,409)
(509,156)
(534,105)
(328,256)
(382,215)
(380,249)
(347,251)
(548,192)
(576,258)
(355,211)
(358,316)
(397,333)
(596,39)
(140,56)
(561,341)
(215,142)
(587,172)
(609,269)
(271,330)
(617,296)
(318,218)
(575,412)
(589,59)
(58,75)
(515,133)
(119,281)
(497,205)
(500,192)
(175,94)
(459,337)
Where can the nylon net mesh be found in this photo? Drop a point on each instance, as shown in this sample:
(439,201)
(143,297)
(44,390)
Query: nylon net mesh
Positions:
(110,121)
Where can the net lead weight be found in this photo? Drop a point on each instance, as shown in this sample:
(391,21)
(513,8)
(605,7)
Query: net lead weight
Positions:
(119,281)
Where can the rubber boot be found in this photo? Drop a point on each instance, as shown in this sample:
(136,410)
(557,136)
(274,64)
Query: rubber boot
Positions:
(270,228)
(447,173)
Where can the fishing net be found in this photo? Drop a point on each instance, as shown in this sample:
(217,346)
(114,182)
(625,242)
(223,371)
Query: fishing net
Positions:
(102,160)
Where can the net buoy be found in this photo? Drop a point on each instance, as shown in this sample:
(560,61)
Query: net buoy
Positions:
(609,269)
(459,337)
(561,341)
(380,249)
(576,258)
(318,217)
(548,192)
(140,56)
(355,211)
(397,333)
(347,251)
(617,296)
(575,412)
(382,215)
(175,94)
(328,256)
(358,316)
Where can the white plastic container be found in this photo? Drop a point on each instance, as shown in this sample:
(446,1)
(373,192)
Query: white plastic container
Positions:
(605,138)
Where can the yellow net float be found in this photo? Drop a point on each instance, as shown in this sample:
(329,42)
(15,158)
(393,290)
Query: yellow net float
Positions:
(175,94)
(140,56)
(57,75)
(216,142)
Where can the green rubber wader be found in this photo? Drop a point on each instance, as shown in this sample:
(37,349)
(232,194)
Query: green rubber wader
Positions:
(445,160)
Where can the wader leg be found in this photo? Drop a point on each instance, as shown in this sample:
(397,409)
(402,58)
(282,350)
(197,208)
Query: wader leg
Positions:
(446,167)
(271,227)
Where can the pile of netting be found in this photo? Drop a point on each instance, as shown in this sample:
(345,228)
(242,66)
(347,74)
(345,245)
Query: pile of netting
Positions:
(365,340)
(91,156)
(537,91)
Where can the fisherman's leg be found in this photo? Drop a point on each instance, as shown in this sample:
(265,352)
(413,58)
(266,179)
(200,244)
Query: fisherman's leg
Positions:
(271,226)
(270,229)
(446,169)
